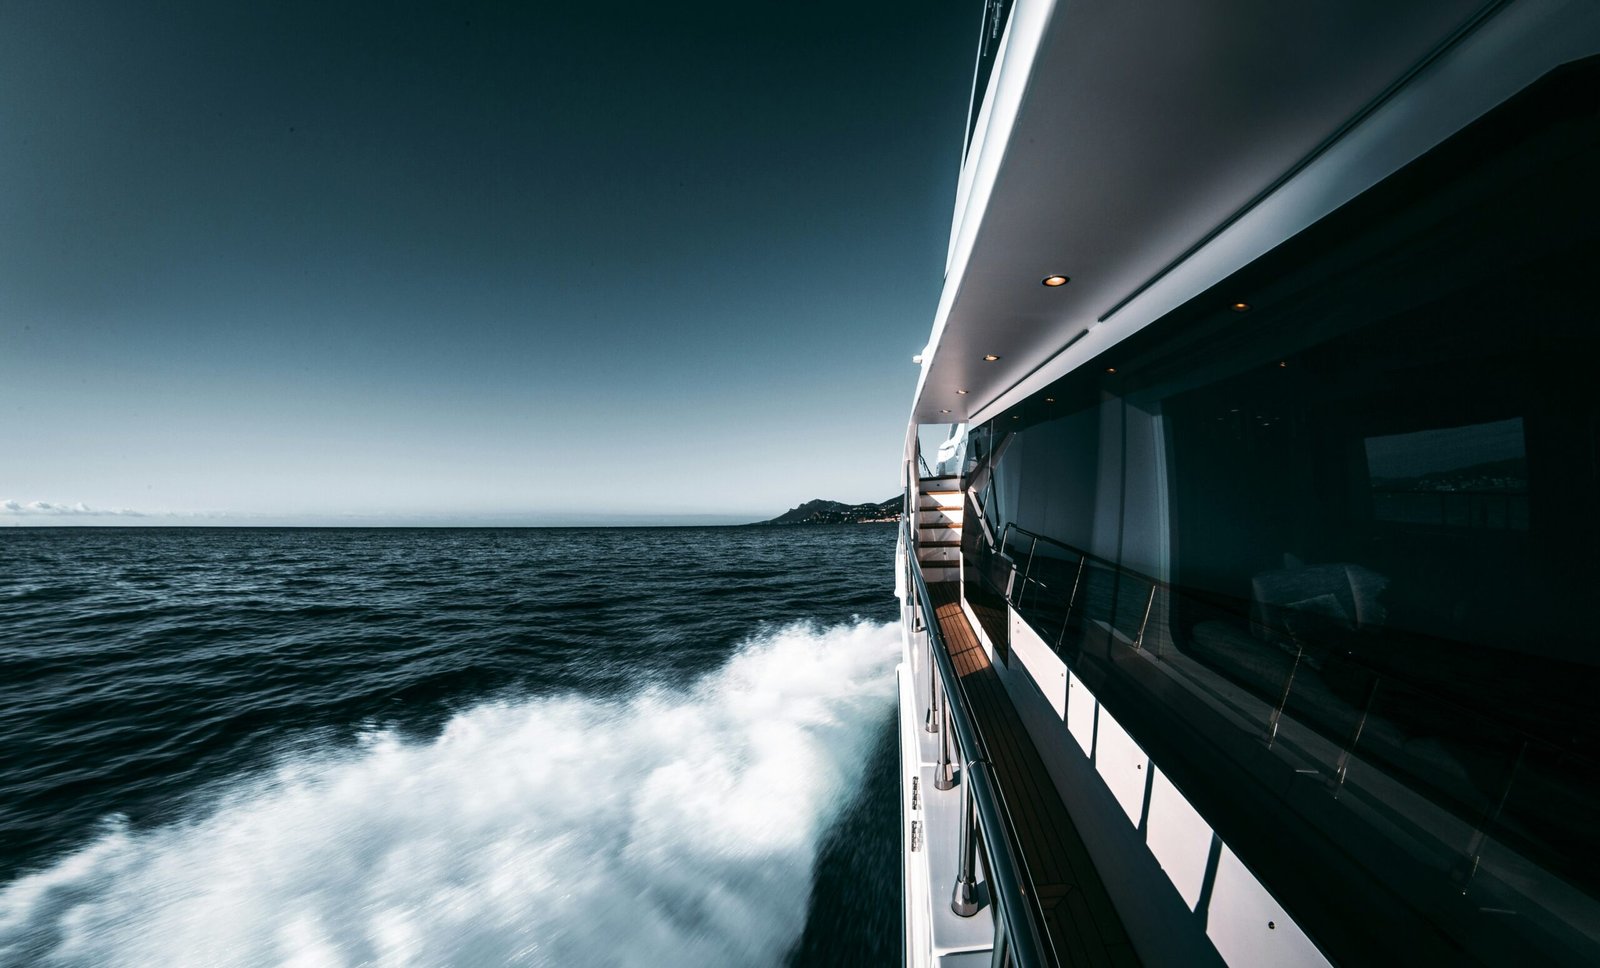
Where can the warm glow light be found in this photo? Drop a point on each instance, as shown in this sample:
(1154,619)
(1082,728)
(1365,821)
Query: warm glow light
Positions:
(944,411)
(1282,363)
(989,357)
(962,392)
(1240,307)
(1111,369)
(1054,281)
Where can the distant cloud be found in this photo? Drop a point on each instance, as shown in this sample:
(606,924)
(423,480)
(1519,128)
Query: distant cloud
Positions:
(46,508)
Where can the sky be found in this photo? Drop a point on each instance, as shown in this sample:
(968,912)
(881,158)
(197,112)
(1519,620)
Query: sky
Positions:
(537,263)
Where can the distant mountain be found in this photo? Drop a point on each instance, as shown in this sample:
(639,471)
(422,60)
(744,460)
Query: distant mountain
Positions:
(833,512)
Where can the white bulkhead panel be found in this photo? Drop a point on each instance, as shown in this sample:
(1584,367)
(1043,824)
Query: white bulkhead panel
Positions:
(1049,673)
(1122,764)
(1179,838)
(1248,927)
(1081,707)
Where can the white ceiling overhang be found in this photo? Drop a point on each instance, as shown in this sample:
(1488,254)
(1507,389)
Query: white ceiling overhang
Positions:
(1148,150)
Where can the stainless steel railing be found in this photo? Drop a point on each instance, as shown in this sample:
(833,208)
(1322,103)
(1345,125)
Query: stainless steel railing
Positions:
(1019,937)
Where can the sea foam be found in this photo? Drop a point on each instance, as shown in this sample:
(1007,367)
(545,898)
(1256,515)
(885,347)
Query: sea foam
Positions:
(670,827)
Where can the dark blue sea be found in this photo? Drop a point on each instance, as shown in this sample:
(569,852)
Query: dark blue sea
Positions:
(339,747)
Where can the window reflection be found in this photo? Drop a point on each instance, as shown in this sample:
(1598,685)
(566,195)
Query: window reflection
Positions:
(1460,477)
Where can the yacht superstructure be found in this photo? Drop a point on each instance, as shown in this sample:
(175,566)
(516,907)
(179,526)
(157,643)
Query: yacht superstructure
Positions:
(1251,491)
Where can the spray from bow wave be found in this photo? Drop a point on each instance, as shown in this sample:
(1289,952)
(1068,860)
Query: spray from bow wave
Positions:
(666,828)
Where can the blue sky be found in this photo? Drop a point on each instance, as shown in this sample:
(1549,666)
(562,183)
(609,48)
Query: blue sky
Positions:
(468,264)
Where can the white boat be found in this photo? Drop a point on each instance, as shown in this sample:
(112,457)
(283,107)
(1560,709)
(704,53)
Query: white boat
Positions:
(1252,483)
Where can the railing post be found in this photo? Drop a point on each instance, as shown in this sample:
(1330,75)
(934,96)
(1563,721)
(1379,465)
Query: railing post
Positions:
(1283,700)
(1027,572)
(1144,622)
(931,723)
(1072,599)
(964,899)
(1480,833)
(944,774)
(1342,767)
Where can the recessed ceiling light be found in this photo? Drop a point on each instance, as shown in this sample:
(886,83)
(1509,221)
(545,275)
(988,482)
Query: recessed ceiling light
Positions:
(1016,416)
(989,357)
(1054,281)
(1111,369)
(1240,307)
(962,392)
(944,411)
(1282,363)
(1049,399)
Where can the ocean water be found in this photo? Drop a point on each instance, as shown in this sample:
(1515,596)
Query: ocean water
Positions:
(447,747)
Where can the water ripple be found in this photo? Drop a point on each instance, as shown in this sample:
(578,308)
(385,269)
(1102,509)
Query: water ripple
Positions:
(143,670)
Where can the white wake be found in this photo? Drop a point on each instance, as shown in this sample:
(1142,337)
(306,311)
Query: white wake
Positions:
(667,828)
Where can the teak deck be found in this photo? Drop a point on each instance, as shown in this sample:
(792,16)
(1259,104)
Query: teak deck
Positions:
(1081,924)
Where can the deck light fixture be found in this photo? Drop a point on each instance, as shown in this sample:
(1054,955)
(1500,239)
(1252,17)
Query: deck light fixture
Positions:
(1054,281)
(989,357)
(944,411)
(961,393)
(1240,307)
(1049,399)
(1111,369)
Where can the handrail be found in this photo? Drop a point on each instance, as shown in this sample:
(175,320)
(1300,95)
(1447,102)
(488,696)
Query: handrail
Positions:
(1017,921)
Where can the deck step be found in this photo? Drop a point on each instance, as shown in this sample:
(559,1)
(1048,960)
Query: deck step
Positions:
(939,499)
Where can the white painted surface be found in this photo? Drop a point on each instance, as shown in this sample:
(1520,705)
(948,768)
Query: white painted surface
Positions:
(1248,927)
(1046,669)
(900,552)
(922,745)
(1179,838)
(1007,84)
(1008,78)
(942,853)
(1081,708)
(913,873)
(1122,764)
(933,931)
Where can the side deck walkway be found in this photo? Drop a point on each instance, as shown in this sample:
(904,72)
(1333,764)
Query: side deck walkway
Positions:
(1082,925)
